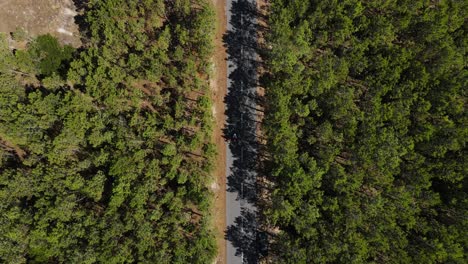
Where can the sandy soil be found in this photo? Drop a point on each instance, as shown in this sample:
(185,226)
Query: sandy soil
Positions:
(219,86)
(262,7)
(38,17)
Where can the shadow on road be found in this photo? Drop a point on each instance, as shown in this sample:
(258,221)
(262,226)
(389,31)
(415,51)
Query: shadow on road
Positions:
(242,109)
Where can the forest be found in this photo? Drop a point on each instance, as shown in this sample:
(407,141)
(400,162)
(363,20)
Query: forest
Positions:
(105,150)
(366,157)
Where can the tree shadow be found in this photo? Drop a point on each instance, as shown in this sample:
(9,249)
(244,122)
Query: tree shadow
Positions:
(242,102)
(244,235)
(82,6)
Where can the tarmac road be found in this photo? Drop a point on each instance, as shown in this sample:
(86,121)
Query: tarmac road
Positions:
(236,201)
(233,206)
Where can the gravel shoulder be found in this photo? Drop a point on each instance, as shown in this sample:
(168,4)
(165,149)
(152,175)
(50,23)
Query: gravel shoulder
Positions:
(219,88)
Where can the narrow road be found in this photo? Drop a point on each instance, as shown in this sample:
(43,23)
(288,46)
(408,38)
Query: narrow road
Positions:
(233,210)
(241,128)
(233,206)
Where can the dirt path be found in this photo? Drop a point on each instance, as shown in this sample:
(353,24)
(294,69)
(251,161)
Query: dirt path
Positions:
(219,85)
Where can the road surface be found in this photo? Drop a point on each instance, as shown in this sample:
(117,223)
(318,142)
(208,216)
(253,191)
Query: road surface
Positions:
(233,207)
(239,26)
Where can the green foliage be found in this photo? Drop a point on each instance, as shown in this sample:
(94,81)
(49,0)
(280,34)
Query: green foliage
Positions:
(20,34)
(48,54)
(366,131)
(105,160)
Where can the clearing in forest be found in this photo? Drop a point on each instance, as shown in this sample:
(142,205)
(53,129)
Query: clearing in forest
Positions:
(37,17)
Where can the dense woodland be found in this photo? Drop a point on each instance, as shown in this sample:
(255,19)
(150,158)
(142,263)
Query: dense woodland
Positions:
(105,150)
(366,126)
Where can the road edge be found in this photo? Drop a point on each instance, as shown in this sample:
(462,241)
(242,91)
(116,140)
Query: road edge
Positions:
(218,93)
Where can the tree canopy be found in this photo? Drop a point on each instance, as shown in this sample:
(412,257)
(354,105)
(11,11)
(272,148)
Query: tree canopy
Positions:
(366,130)
(105,151)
